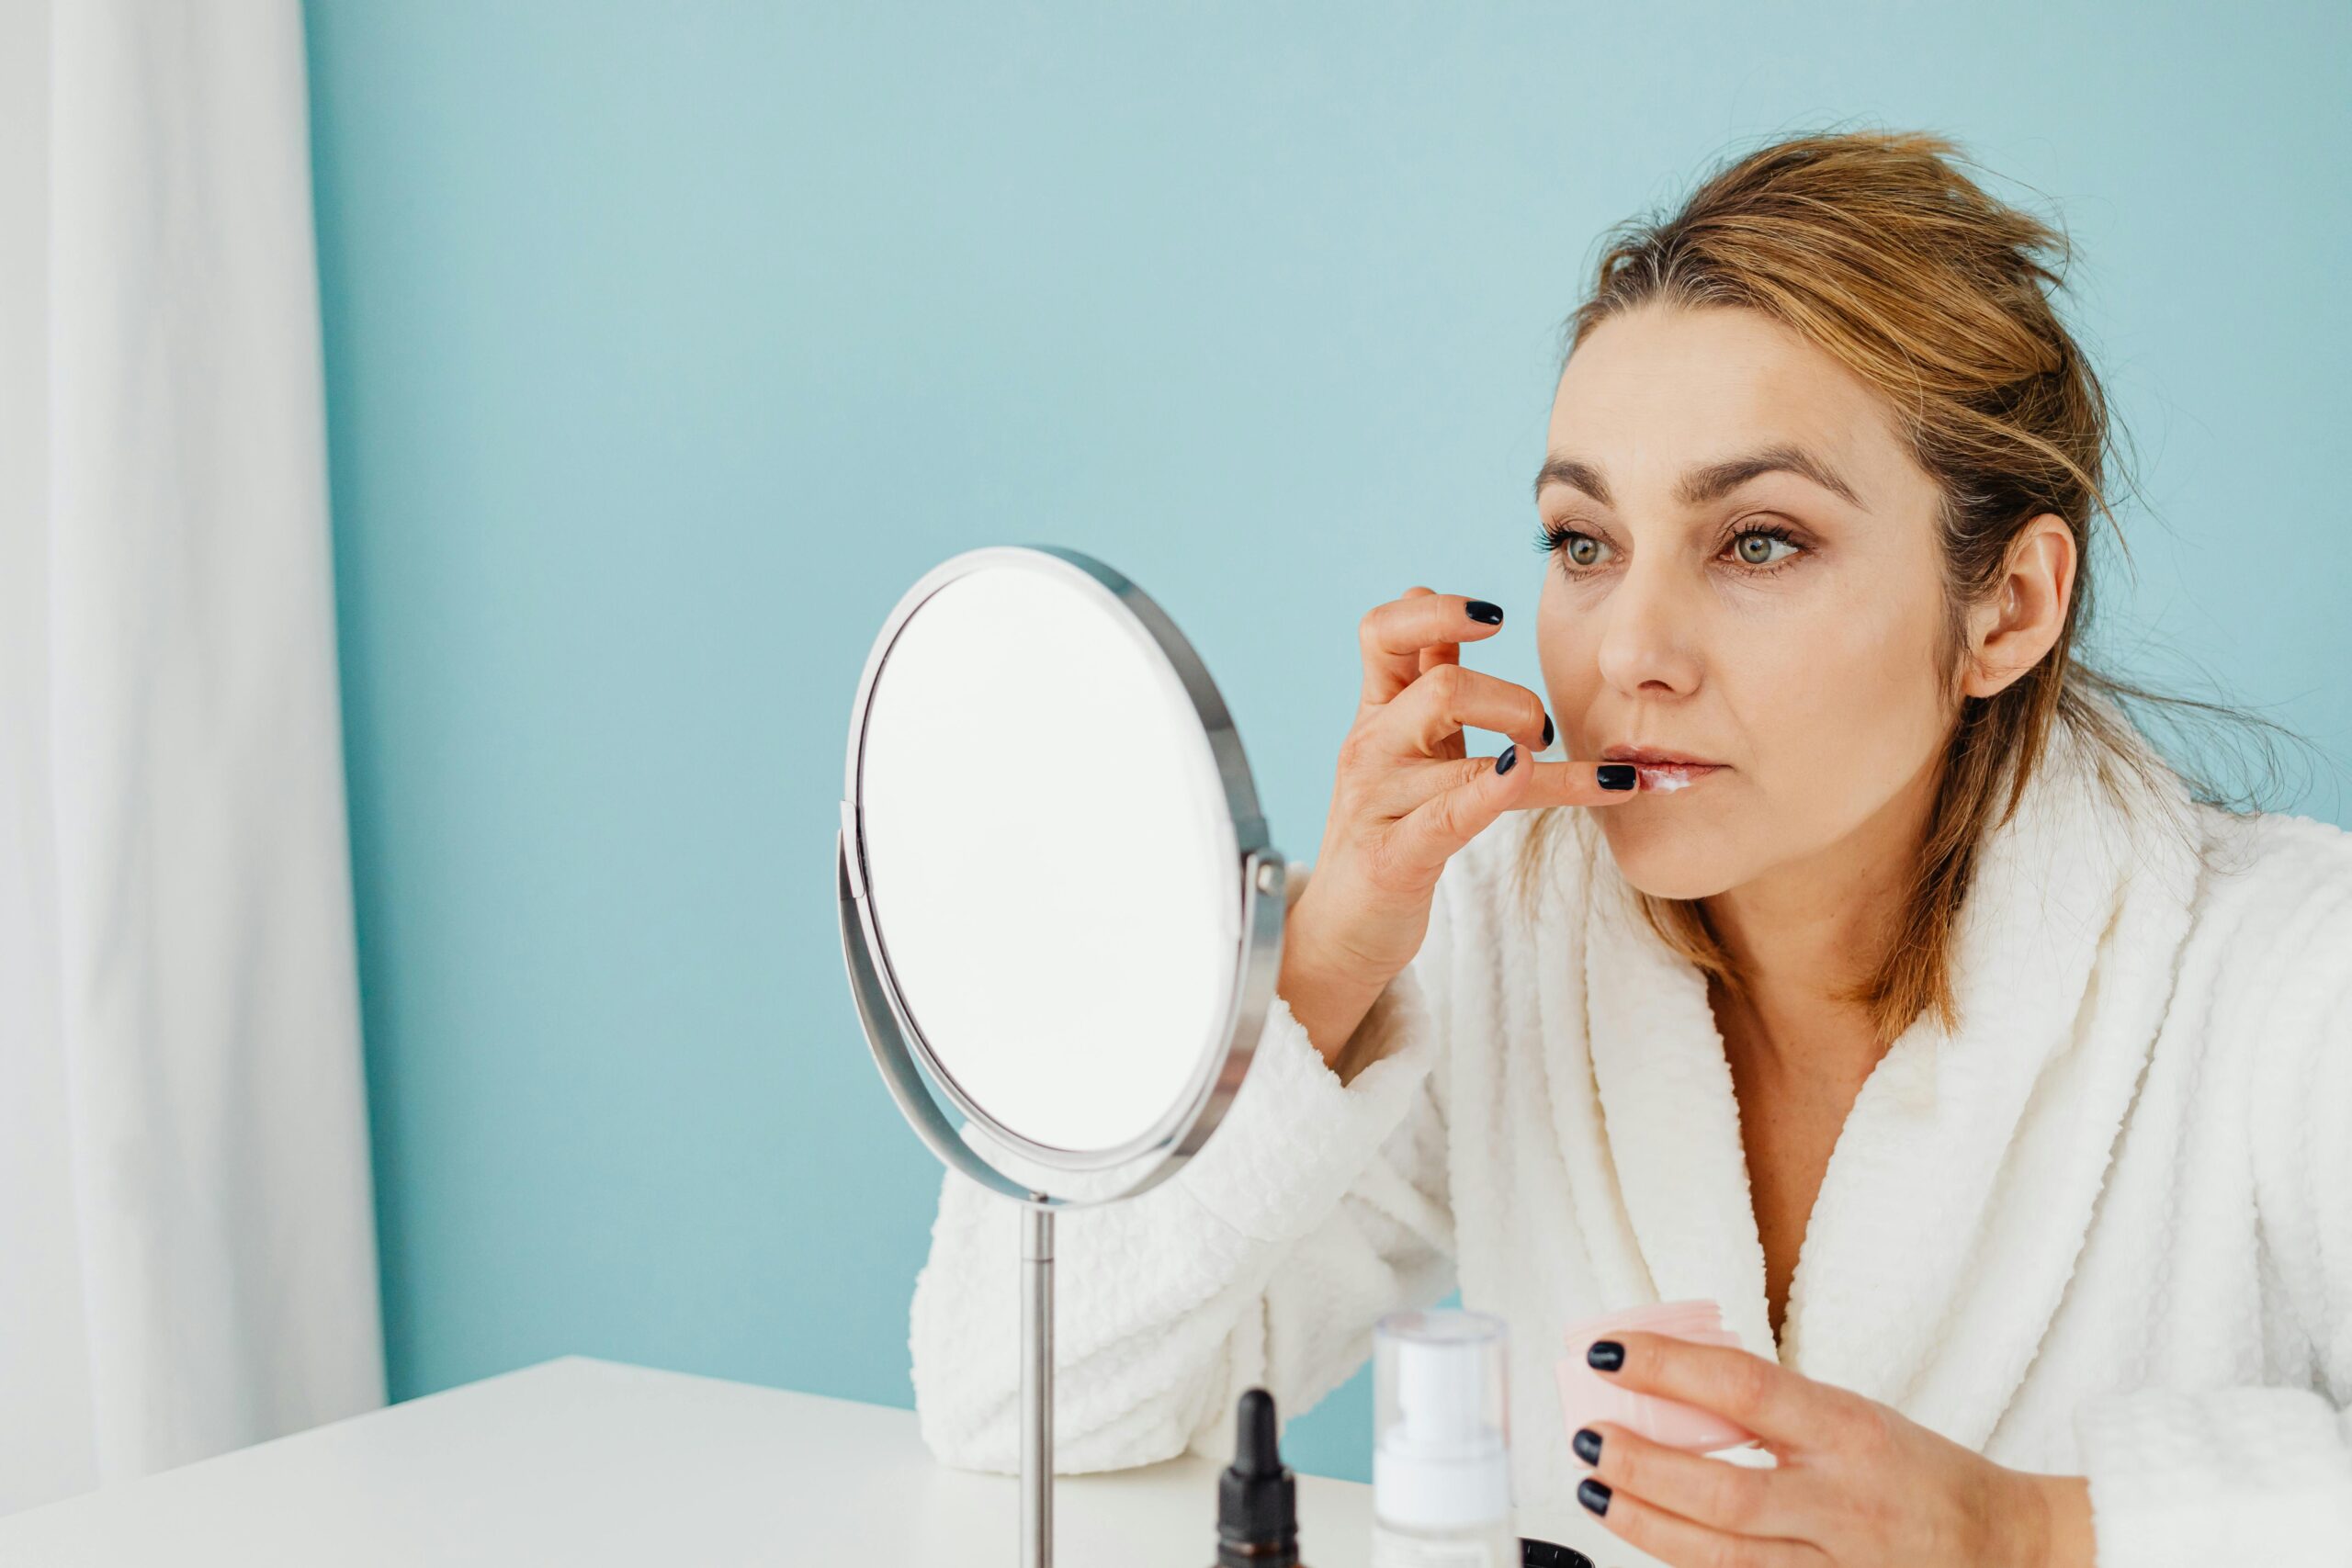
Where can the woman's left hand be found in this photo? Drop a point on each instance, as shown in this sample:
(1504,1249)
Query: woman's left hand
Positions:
(1858,1485)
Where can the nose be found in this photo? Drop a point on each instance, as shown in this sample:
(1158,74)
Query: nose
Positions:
(1649,633)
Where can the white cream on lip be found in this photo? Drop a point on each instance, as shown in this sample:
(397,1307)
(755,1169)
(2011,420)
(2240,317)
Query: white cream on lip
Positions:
(1664,778)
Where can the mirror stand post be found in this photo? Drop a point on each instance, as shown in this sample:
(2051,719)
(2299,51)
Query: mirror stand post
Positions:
(1037,1384)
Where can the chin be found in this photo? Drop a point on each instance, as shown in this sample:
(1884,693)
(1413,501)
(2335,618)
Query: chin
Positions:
(1668,854)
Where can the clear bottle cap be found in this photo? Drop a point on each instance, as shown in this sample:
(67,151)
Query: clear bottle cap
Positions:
(1441,1420)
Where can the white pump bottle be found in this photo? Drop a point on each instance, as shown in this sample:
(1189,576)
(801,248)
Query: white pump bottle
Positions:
(1441,1466)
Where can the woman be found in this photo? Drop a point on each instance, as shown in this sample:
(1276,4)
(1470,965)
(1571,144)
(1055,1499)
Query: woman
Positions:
(1905,1004)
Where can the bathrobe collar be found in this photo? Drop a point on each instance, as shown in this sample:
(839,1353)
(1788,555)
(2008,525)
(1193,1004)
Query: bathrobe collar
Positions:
(1962,1183)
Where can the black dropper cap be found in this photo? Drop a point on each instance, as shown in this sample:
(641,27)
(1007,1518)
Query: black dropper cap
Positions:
(1257,1498)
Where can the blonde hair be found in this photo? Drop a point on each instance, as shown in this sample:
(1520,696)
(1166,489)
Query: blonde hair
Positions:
(1875,248)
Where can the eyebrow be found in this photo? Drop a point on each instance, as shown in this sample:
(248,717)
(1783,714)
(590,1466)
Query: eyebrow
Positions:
(1710,481)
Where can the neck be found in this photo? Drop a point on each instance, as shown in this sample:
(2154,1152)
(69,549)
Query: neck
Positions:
(1806,935)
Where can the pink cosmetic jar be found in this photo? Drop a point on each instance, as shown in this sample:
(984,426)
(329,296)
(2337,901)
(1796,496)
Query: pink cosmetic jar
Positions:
(1588,1395)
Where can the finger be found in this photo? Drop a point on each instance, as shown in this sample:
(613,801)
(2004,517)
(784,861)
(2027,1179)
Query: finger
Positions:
(1436,653)
(1579,783)
(1548,784)
(1736,1498)
(1670,1538)
(1429,834)
(1763,1396)
(1434,709)
(1392,637)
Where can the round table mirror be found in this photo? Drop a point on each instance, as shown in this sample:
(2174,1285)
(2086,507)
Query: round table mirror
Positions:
(1060,911)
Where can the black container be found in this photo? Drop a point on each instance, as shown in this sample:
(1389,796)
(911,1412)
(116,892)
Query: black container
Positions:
(1257,1497)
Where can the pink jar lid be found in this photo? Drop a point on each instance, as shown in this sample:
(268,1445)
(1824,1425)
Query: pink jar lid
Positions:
(1588,1395)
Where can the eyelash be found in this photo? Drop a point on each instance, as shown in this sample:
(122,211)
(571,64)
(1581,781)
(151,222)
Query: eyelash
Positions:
(1551,540)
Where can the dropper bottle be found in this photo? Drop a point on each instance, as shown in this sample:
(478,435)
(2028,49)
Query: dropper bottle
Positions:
(1440,1462)
(1257,1498)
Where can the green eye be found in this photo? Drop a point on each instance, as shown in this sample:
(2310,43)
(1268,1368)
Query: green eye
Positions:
(1583,549)
(1762,549)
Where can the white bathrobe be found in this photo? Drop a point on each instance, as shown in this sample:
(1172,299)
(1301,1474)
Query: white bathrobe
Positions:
(2105,1228)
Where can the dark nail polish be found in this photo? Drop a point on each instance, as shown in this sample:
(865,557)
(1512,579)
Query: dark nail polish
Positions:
(1479,610)
(1508,760)
(1547,732)
(1586,1443)
(1606,1354)
(1593,1494)
(1615,775)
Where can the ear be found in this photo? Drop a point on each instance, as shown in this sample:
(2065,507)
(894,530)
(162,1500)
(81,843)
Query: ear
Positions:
(2018,624)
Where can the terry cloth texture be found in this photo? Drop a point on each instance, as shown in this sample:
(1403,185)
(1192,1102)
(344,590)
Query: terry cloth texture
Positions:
(2104,1228)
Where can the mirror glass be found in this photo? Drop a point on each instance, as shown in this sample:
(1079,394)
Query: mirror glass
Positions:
(1051,861)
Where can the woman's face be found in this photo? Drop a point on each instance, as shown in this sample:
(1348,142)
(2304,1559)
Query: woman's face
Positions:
(1711,601)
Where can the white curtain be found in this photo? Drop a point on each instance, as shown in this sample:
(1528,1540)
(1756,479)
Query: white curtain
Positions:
(187,1249)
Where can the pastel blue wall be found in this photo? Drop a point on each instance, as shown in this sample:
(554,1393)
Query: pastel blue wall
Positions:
(667,344)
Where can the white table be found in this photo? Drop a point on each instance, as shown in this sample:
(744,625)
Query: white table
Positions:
(586,1462)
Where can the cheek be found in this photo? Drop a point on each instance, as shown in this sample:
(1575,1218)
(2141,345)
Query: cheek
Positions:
(1837,691)
(1567,651)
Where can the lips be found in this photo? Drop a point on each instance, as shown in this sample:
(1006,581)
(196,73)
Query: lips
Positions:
(1654,755)
(1662,772)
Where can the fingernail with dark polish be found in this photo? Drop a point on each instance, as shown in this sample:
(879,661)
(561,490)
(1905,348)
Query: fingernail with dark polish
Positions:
(1615,775)
(1479,610)
(1606,1354)
(1593,1494)
(1586,1443)
(1547,732)
(1508,760)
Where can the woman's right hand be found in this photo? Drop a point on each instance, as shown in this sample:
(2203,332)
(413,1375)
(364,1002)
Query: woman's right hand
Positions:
(1407,796)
